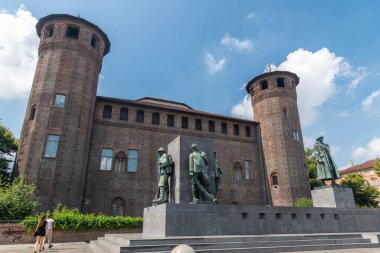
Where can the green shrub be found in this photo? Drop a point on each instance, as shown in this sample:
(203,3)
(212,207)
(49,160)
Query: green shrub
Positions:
(304,202)
(65,218)
(17,200)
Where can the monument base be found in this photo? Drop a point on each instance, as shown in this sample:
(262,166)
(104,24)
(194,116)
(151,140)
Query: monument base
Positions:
(338,197)
(200,220)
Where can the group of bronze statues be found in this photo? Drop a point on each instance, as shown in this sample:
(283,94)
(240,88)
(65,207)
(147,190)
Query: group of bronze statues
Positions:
(200,180)
(198,170)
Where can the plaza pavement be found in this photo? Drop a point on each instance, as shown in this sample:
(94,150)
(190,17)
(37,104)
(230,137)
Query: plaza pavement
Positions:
(80,247)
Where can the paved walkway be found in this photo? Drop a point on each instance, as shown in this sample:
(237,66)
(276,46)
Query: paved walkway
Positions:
(73,247)
(80,247)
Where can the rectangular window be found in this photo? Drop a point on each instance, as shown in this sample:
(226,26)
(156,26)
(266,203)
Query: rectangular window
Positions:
(285,113)
(107,111)
(106,159)
(59,100)
(124,114)
(198,124)
(170,120)
(236,129)
(140,116)
(280,82)
(264,85)
(248,131)
(72,32)
(32,112)
(224,128)
(155,118)
(247,169)
(51,146)
(185,122)
(211,126)
(295,135)
(132,160)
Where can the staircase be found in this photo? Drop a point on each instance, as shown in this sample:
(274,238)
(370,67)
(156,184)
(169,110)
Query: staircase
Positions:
(125,243)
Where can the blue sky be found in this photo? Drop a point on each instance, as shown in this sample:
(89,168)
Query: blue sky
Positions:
(203,52)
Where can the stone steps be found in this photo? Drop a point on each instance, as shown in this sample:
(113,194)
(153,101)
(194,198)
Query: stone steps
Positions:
(122,243)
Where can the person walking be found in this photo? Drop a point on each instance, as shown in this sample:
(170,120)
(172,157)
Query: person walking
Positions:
(49,231)
(40,234)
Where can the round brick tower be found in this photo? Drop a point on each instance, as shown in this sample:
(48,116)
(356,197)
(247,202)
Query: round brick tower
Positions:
(274,101)
(56,133)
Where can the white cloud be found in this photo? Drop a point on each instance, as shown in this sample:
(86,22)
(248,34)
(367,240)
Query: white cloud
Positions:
(370,151)
(318,72)
(243,109)
(367,103)
(251,15)
(342,114)
(18,53)
(357,76)
(235,44)
(308,141)
(214,65)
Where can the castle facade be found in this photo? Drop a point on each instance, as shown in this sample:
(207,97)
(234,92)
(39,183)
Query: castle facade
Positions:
(100,154)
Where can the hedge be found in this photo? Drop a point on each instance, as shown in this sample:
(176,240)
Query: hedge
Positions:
(65,218)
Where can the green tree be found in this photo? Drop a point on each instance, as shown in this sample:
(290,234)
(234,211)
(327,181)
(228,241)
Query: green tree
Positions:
(8,145)
(377,166)
(311,163)
(17,200)
(364,194)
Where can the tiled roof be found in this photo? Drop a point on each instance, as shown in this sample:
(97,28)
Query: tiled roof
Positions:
(364,166)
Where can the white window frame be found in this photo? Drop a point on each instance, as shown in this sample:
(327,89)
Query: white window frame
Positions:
(59,100)
(132,161)
(106,159)
(51,146)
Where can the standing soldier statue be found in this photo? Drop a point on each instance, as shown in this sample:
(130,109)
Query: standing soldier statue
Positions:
(165,169)
(326,167)
(200,181)
(218,173)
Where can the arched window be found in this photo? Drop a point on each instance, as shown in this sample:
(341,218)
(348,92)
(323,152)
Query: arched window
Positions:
(234,203)
(118,207)
(120,164)
(238,171)
(49,31)
(274,179)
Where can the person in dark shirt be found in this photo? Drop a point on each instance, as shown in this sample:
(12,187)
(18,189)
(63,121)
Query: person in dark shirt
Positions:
(40,234)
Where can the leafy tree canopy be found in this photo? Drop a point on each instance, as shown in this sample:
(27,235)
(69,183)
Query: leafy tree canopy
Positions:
(311,163)
(17,200)
(364,194)
(377,166)
(8,145)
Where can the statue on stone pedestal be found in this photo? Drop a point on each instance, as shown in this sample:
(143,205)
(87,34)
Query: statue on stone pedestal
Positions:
(200,180)
(165,168)
(326,167)
(218,173)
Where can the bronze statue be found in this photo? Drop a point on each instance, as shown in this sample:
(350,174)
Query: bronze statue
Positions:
(200,181)
(165,167)
(218,173)
(326,167)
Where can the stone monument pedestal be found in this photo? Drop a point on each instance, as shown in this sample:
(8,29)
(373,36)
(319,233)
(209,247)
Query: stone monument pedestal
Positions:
(337,197)
(171,219)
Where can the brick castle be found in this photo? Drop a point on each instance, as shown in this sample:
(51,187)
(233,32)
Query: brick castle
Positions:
(99,153)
